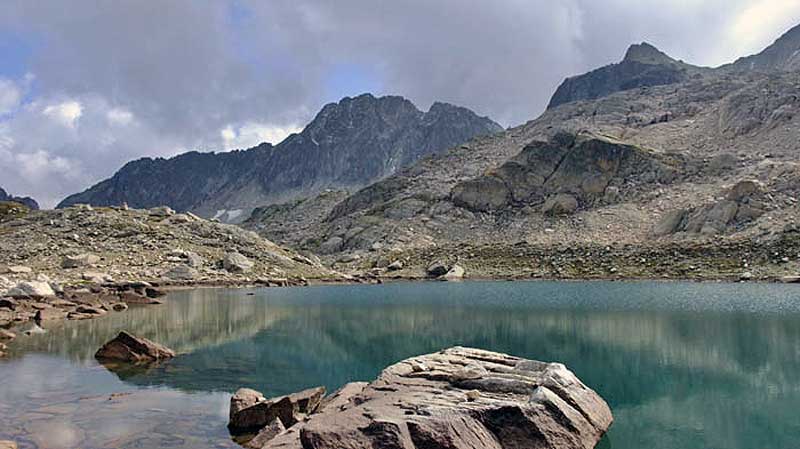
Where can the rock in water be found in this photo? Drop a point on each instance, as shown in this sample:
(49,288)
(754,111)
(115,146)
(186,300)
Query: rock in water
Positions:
(250,411)
(128,348)
(458,398)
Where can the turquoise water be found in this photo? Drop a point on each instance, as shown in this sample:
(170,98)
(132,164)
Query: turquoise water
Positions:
(682,365)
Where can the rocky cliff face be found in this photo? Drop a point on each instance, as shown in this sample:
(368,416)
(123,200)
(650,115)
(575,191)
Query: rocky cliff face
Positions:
(348,145)
(26,201)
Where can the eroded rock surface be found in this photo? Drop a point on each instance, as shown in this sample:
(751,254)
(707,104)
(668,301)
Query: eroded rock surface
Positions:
(457,398)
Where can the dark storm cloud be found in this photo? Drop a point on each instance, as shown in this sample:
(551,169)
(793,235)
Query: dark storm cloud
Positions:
(110,81)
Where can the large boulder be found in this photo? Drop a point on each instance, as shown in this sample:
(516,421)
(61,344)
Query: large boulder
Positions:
(251,411)
(79,261)
(560,204)
(458,398)
(742,204)
(31,289)
(128,348)
(455,273)
(237,263)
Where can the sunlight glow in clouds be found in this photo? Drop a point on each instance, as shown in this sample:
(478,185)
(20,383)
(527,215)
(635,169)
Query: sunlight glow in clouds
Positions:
(754,28)
(66,113)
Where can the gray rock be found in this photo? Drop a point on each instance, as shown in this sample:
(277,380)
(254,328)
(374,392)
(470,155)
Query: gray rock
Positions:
(437,269)
(181,273)
(560,204)
(250,411)
(331,245)
(237,263)
(80,261)
(161,211)
(466,398)
(455,273)
(128,348)
(31,289)
(395,266)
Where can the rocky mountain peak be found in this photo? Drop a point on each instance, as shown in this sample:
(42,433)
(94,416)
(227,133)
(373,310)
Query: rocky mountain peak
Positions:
(782,55)
(643,66)
(349,144)
(645,53)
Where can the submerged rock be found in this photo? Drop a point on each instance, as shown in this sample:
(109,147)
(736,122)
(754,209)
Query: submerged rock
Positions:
(128,348)
(457,398)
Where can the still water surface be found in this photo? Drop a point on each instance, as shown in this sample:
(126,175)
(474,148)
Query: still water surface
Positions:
(682,365)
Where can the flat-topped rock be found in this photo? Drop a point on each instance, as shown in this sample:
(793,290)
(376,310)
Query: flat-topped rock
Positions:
(128,348)
(457,398)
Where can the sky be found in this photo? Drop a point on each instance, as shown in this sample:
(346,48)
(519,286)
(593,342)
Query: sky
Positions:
(88,85)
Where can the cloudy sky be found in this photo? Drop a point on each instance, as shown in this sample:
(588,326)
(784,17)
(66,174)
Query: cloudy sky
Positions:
(87,85)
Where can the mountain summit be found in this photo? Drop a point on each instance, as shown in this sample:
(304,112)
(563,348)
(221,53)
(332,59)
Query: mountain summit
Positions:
(644,65)
(348,145)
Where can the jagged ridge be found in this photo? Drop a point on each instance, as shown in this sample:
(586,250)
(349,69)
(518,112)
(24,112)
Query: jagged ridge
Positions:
(348,145)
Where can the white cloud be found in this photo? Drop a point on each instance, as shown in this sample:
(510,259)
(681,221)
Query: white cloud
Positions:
(66,113)
(754,27)
(251,134)
(10,96)
(119,116)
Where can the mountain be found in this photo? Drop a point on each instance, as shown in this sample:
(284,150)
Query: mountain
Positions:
(348,145)
(27,201)
(695,178)
(643,66)
(783,55)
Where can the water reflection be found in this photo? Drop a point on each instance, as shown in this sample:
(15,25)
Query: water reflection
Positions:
(682,365)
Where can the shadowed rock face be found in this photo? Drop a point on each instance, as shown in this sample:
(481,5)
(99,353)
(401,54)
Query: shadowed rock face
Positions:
(563,174)
(458,398)
(643,66)
(348,145)
(26,201)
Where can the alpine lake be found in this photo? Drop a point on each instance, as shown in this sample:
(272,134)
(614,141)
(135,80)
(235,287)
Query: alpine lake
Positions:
(682,365)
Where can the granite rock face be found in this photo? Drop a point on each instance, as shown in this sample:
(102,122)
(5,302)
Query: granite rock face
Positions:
(563,174)
(457,398)
(348,145)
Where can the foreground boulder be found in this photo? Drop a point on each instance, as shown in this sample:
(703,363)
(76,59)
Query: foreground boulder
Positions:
(250,411)
(457,398)
(128,348)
